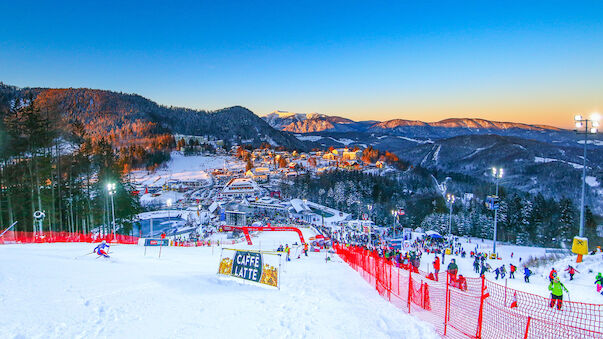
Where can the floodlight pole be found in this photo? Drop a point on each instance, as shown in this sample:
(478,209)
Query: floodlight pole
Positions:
(581,233)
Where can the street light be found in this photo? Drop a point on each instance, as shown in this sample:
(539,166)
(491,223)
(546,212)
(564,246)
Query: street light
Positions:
(580,123)
(394,212)
(169,205)
(450,199)
(111,189)
(497,173)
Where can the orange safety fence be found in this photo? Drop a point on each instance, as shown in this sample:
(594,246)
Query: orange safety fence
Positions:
(473,307)
(12,237)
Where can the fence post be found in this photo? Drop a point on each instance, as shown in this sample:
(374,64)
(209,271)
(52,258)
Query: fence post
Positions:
(446,308)
(481,311)
(389,282)
(409,288)
(525,336)
(398,270)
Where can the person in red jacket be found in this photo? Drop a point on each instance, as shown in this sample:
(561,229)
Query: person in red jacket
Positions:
(512,270)
(436,267)
(571,271)
(552,275)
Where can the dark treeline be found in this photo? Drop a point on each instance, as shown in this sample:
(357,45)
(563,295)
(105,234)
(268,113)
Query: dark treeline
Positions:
(523,218)
(52,164)
(358,193)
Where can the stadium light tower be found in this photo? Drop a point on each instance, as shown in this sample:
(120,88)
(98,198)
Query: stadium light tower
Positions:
(394,214)
(497,173)
(582,122)
(450,199)
(168,203)
(111,190)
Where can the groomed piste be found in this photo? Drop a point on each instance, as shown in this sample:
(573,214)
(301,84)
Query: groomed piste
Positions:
(55,290)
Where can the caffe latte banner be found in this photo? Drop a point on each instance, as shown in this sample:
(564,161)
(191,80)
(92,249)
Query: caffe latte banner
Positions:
(261,267)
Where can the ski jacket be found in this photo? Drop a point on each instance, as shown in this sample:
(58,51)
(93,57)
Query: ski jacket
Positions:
(452,267)
(553,274)
(436,263)
(526,271)
(599,281)
(557,288)
(100,247)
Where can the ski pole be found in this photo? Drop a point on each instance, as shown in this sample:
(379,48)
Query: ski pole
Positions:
(80,256)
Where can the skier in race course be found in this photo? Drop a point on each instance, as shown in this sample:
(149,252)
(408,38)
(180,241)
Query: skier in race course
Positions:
(557,288)
(100,249)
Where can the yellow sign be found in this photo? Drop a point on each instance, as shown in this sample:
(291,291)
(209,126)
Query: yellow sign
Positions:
(580,246)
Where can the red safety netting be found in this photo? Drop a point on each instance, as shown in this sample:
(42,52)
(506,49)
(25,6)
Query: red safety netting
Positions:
(12,237)
(473,307)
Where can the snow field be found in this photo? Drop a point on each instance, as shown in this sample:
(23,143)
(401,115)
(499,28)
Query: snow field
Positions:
(49,293)
(582,288)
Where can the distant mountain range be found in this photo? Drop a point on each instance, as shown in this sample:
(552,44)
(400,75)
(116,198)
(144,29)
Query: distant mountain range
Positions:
(316,122)
(537,158)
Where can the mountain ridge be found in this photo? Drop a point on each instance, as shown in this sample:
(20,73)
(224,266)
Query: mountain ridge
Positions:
(110,113)
(316,122)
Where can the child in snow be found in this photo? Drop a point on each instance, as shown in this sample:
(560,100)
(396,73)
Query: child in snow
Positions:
(552,274)
(497,272)
(557,288)
(526,274)
(599,283)
(503,271)
(100,249)
(512,269)
(453,268)
(571,271)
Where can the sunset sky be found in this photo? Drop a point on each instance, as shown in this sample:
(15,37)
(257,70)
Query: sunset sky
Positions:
(533,62)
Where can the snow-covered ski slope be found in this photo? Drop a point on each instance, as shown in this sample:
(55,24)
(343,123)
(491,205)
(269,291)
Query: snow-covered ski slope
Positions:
(46,292)
(582,288)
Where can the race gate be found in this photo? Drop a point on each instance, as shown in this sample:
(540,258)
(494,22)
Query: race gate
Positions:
(261,267)
(154,243)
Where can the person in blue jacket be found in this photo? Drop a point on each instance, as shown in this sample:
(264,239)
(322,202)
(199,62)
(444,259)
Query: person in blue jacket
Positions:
(526,274)
(100,249)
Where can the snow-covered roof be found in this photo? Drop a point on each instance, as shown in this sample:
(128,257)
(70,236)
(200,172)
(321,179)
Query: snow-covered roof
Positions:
(299,205)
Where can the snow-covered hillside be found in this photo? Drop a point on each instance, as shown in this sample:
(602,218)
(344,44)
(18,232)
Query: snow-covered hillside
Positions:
(582,288)
(49,293)
(183,168)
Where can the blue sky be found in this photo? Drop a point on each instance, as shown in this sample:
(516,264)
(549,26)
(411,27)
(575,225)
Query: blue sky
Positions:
(535,62)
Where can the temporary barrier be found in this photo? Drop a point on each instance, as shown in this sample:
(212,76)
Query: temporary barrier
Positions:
(247,229)
(12,237)
(473,307)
